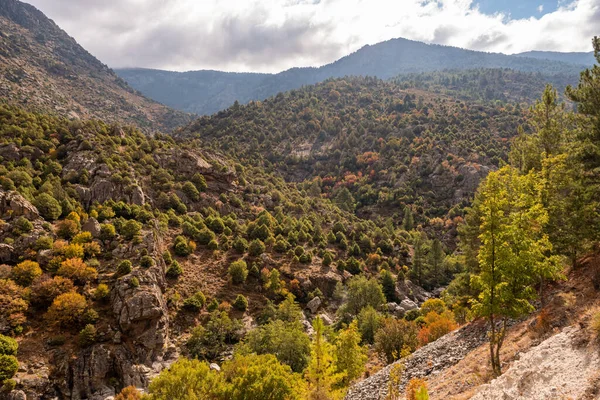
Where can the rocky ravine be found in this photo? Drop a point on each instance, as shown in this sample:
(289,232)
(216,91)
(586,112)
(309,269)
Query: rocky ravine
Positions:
(426,361)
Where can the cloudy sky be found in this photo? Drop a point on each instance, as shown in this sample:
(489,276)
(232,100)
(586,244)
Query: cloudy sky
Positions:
(273,35)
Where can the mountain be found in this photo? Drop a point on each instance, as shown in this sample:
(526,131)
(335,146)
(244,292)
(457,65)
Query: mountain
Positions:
(206,92)
(578,58)
(43,68)
(484,85)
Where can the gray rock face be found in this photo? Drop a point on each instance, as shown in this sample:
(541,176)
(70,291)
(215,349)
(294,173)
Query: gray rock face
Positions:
(17,395)
(92,226)
(408,305)
(12,204)
(6,252)
(314,305)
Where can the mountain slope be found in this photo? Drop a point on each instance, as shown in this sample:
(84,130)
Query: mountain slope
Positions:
(388,147)
(205,92)
(578,58)
(43,68)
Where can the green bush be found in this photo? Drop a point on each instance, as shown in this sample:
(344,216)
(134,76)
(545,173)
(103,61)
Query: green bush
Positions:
(240,245)
(204,236)
(25,272)
(22,225)
(107,232)
(208,342)
(238,271)
(8,367)
(124,267)
(87,336)
(256,248)
(240,303)
(102,292)
(8,346)
(183,247)
(195,302)
(146,262)
(131,229)
(174,270)
(48,207)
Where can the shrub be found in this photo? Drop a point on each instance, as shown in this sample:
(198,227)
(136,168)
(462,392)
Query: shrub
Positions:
(66,309)
(240,245)
(417,389)
(213,245)
(77,270)
(369,321)
(191,379)
(388,284)
(22,225)
(107,232)
(204,236)
(256,248)
(183,247)
(8,346)
(146,262)
(210,341)
(44,243)
(195,302)
(240,303)
(174,270)
(67,228)
(82,237)
(25,272)
(131,229)
(102,292)
(72,250)
(433,305)
(213,305)
(13,305)
(395,338)
(363,292)
(238,271)
(199,181)
(124,267)
(8,367)
(87,336)
(436,326)
(191,191)
(287,340)
(327,258)
(48,207)
(129,393)
(44,290)
(134,282)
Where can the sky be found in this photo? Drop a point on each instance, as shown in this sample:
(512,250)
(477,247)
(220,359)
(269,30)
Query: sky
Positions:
(274,35)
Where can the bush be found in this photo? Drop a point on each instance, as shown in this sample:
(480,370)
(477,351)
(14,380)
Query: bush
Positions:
(107,232)
(210,341)
(77,270)
(256,248)
(183,247)
(146,262)
(191,191)
(102,292)
(24,273)
(369,321)
(8,346)
(48,207)
(44,243)
(67,228)
(129,393)
(204,236)
(124,267)
(396,338)
(87,336)
(22,225)
(240,303)
(417,389)
(436,326)
(82,238)
(131,229)
(8,367)
(174,270)
(44,290)
(191,379)
(388,284)
(433,305)
(288,341)
(240,245)
(363,292)
(238,271)
(195,302)
(67,309)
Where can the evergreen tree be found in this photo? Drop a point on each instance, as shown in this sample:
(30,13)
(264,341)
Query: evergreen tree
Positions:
(408,222)
(321,374)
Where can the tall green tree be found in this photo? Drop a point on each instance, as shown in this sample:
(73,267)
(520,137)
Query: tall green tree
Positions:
(321,374)
(350,355)
(513,252)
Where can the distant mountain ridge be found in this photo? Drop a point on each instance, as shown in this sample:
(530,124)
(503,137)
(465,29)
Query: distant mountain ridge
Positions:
(580,58)
(206,92)
(43,68)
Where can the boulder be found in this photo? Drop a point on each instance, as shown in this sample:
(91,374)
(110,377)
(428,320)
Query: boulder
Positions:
(215,367)
(326,319)
(92,226)
(17,395)
(12,204)
(408,305)
(314,305)
(6,252)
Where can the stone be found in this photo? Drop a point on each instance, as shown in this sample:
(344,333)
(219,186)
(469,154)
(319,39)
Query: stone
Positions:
(215,367)
(314,305)
(17,395)
(12,204)
(326,319)
(92,226)
(6,252)
(408,305)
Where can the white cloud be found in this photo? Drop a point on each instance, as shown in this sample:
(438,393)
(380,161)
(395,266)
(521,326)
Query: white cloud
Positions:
(272,35)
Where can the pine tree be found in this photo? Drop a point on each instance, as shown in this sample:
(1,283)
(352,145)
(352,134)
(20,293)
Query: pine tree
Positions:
(436,260)
(321,374)
(408,222)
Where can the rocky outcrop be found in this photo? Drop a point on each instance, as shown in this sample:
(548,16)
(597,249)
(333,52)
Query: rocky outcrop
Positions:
(558,368)
(92,226)
(314,305)
(430,359)
(12,204)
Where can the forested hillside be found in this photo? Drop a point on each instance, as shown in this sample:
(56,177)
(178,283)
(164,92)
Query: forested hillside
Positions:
(369,145)
(43,68)
(206,92)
